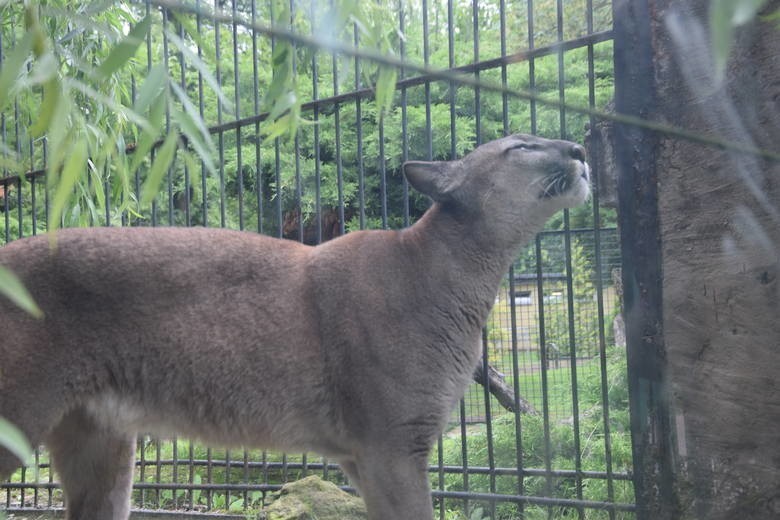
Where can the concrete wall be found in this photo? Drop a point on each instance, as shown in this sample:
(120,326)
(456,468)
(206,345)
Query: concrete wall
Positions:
(720,233)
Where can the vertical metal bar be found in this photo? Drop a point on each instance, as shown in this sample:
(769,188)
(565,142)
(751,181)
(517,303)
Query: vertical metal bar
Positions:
(359,127)
(209,479)
(512,305)
(227,478)
(277,152)
(91,215)
(166,61)
(654,480)
(477,90)
(183,84)
(50,487)
(297,138)
(543,357)
(561,71)
(464,450)
(279,190)
(264,464)
(569,277)
(142,469)
(489,422)
(157,473)
(6,215)
(256,94)
(237,103)
(221,133)
(452,86)
(575,405)
(201,110)
(6,212)
(339,164)
(23,480)
(34,204)
(504,79)
(531,64)
(595,172)
(316,118)
(191,474)
(175,471)
(404,121)
(106,195)
(453,153)
(45,191)
(149,62)
(37,465)
(486,386)
(246,474)
(426,61)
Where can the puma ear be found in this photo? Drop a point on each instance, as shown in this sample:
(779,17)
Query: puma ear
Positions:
(437,179)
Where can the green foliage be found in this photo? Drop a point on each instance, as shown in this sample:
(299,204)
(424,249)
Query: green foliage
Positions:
(14,441)
(560,334)
(593,442)
(12,288)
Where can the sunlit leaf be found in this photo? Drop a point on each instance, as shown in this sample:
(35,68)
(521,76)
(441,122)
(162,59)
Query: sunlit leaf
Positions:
(14,290)
(193,126)
(746,10)
(13,66)
(385,89)
(160,165)
(151,89)
(68,177)
(724,17)
(110,103)
(283,104)
(14,440)
(125,49)
(278,128)
(193,59)
(52,94)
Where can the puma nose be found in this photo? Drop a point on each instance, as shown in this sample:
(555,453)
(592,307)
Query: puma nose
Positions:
(577,152)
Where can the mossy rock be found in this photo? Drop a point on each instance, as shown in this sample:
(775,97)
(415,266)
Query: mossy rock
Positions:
(312,498)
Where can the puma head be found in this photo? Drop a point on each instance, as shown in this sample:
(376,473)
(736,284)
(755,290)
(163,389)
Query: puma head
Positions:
(516,174)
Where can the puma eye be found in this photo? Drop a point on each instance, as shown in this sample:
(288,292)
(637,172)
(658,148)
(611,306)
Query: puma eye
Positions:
(524,146)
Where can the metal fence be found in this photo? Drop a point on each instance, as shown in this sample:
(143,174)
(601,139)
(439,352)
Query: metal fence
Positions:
(554,439)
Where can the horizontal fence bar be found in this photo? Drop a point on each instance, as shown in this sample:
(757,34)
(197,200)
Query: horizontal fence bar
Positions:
(367,92)
(315,467)
(535,500)
(59,512)
(459,495)
(421,79)
(333,45)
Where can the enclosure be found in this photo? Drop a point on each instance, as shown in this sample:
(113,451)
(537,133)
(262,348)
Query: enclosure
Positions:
(292,119)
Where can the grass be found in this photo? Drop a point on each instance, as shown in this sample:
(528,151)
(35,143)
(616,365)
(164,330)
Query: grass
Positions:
(547,443)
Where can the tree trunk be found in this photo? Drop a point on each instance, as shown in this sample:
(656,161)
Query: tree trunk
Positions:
(720,232)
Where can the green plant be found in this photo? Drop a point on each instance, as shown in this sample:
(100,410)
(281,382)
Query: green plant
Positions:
(561,454)
(572,320)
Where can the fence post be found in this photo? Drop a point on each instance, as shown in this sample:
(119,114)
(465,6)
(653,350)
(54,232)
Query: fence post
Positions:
(635,150)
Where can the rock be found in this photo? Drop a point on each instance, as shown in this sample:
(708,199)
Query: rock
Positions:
(312,498)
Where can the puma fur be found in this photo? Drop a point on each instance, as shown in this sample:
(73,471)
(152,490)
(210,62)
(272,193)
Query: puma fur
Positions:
(357,349)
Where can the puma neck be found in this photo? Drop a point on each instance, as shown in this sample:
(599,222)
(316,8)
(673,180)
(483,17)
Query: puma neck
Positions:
(462,261)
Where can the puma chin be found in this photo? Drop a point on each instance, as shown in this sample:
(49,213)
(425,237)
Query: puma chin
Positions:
(561,173)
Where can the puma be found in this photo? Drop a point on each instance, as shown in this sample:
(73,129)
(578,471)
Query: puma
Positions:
(357,349)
